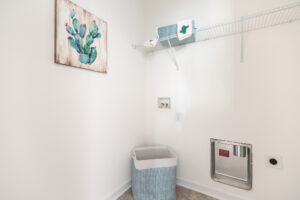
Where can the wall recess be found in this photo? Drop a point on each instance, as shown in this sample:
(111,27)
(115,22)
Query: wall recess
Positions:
(164,102)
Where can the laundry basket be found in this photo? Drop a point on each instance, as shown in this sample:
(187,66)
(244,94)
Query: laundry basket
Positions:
(154,173)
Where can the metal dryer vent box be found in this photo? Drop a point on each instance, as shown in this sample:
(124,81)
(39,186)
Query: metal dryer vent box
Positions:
(231,163)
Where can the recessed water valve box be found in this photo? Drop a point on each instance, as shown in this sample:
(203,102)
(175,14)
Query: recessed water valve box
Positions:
(231,163)
(164,102)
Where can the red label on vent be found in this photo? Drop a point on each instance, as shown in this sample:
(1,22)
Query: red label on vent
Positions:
(224,153)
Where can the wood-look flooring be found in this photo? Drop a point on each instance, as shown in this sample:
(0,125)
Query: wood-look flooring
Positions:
(181,194)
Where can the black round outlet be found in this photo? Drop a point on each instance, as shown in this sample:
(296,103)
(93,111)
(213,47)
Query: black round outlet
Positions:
(273,161)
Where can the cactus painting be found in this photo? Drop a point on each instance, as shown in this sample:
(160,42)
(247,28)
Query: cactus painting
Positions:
(87,54)
(80,38)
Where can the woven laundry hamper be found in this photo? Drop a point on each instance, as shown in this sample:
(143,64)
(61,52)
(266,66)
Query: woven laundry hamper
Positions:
(154,173)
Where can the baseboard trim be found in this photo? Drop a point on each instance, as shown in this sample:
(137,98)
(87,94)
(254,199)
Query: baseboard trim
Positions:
(118,192)
(206,190)
(221,195)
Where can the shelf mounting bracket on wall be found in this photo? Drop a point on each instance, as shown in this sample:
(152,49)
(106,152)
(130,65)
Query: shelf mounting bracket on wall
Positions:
(242,39)
(173,55)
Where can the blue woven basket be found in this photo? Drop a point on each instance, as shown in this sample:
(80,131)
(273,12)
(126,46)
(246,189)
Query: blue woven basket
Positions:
(157,183)
(171,30)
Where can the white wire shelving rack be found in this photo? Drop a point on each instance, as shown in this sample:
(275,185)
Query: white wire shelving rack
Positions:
(268,18)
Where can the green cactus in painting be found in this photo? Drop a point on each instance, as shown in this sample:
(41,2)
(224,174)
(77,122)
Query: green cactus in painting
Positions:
(87,54)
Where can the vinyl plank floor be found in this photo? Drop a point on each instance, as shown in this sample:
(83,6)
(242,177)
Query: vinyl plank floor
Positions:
(181,194)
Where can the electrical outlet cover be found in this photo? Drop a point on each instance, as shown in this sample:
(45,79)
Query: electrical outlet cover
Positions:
(274,161)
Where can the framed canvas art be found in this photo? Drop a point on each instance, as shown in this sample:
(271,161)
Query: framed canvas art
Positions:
(80,38)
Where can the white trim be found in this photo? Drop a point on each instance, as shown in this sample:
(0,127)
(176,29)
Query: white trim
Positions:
(120,191)
(166,158)
(221,195)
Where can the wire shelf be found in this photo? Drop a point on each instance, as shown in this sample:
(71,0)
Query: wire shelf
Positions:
(285,14)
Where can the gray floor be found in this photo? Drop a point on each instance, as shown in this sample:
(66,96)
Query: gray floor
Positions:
(181,194)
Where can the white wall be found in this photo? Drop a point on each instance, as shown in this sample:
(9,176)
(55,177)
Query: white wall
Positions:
(66,133)
(255,102)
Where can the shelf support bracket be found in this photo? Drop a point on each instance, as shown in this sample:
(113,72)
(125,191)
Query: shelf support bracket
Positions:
(242,39)
(173,55)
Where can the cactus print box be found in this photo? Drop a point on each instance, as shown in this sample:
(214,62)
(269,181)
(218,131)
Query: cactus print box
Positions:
(80,38)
